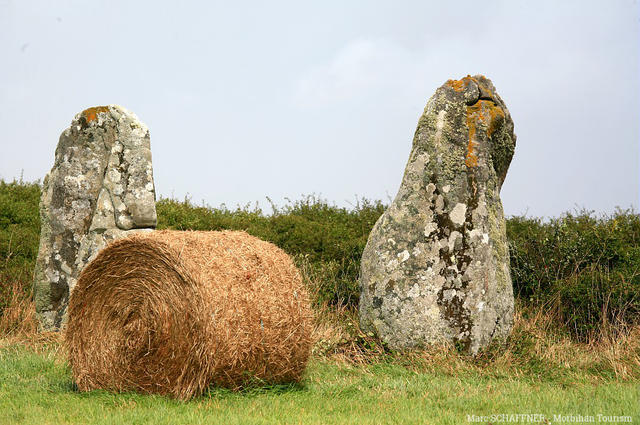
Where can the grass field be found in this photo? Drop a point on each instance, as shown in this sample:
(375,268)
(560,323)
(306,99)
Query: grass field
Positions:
(36,388)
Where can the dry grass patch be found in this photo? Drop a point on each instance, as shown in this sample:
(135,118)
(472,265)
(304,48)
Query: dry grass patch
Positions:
(537,349)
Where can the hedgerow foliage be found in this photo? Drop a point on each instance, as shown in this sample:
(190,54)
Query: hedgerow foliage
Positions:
(582,267)
(585,267)
(329,239)
(19,235)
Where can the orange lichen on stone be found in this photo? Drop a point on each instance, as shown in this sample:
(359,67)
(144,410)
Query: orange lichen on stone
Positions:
(484,112)
(457,85)
(460,85)
(496,114)
(487,113)
(473,112)
(92,113)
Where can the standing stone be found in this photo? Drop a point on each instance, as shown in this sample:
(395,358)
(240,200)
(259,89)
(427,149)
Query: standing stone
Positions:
(99,189)
(436,265)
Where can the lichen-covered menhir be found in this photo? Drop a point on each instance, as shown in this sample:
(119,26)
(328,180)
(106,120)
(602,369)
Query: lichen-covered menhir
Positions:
(436,266)
(99,189)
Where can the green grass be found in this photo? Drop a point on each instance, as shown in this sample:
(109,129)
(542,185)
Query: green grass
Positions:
(36,388)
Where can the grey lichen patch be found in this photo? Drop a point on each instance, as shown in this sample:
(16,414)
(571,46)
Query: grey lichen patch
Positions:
(458,214)
(100,187)
(436,265)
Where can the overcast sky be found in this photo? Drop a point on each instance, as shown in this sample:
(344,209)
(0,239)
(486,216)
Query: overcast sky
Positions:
(252,99)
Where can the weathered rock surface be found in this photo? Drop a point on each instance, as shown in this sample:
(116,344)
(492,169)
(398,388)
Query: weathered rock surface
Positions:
(436,266)
(100,188)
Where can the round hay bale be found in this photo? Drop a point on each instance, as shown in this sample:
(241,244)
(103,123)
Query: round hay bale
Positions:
(173,313)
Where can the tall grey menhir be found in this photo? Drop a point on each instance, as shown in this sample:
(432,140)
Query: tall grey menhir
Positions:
(436,266)
(99,189)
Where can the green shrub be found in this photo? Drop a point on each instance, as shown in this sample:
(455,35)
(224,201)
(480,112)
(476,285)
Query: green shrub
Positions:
(19,235)
(596,300)
(545,252)
(329,238)
(587,267)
